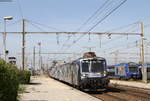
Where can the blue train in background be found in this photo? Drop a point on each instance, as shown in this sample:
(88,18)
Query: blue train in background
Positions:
(124,70)
(111,70)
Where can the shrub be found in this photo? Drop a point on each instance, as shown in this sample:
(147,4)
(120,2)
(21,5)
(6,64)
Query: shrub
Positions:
(24,76)
(21,89)
(9,81)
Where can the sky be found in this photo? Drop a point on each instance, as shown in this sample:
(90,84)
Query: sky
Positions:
(69,15)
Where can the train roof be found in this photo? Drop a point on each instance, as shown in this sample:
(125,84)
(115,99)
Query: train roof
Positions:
(130,63)
(89,55)
(110,66)
(101,58)
(83,58)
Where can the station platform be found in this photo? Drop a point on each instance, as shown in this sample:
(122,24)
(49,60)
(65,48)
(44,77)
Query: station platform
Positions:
(43,88)
(131,84)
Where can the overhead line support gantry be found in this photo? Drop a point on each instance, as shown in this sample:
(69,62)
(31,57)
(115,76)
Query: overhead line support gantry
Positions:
(23,33)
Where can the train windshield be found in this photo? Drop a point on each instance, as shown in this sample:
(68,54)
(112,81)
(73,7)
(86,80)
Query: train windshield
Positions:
(133,69)
(85,66)
(97,66)
(93,66)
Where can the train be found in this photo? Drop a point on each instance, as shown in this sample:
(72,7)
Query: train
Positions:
(86,73)
(111,70)
(124,70)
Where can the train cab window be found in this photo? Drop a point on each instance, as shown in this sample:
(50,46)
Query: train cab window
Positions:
(97,66)
(133,69)
(85,66)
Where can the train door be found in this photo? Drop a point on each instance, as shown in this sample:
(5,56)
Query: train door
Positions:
(120,70)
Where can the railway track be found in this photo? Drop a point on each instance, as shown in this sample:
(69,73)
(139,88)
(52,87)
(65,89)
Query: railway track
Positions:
(122,93)
(138,92)
(109,97)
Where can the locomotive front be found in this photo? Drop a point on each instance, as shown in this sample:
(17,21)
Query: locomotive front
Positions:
(93,73)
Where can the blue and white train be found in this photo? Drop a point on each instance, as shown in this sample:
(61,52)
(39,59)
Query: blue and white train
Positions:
(124,70)
(84,73)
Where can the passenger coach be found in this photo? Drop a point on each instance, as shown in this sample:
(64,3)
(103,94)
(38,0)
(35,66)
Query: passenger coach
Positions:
(127,70)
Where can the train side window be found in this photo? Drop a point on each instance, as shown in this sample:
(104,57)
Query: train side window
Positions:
(116,70)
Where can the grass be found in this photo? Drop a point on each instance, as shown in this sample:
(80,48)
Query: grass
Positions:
(21,89)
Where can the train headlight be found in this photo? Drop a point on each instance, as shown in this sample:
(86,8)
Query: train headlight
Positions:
(105,73)
(98,73)
(84,76)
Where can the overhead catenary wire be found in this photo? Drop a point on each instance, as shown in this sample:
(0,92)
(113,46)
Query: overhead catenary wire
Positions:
(131,45)
(116,29)
(106,16)
(36,23)
(109,13)
(97,12)
(122,27)
(103,43)
(33,24)
(10,24)
(75,41)
(120,47)
(47,26)
(103,12)
(133,26)
(20,9)
(92,16)
(57,35)
(99,21)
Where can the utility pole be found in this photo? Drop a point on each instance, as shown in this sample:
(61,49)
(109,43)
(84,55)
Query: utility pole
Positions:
(34,58)
(42,65)
(4,36)
(39,55)
(144,68)
(142,43)
(33,68)
(23,44)
(4,39)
